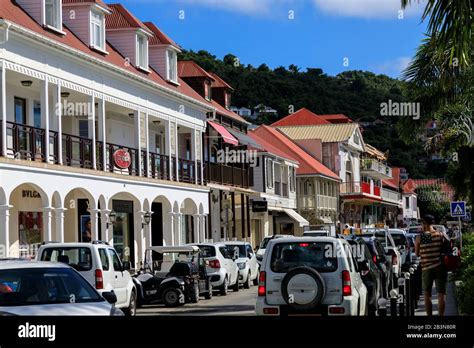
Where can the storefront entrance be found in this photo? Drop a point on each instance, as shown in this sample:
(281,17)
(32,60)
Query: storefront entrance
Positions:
(123,231)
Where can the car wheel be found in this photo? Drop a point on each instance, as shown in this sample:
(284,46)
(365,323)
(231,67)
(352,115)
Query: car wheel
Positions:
(195,295)
(131,310)
(235,287)
(172,297)
(224,287)
(248,283)
(208,294)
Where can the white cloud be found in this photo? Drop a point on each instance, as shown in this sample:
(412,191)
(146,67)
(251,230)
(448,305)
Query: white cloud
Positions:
(392,67)
(380,9)
(250,7)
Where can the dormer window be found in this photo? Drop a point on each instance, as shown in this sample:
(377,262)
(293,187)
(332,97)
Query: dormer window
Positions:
(52,14)
(227,100)
(207,90)
(172,61)
(97,30)
(142,52)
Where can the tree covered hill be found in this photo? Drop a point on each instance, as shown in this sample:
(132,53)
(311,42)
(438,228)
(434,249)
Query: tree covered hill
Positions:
(357,94)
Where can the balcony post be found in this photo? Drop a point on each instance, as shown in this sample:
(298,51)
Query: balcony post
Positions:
(103,133)
(147,145)
(47,236)
(3,111)
(168,148)
(45,115)
(59,218)
(138,142)
(5,228)
(176,150)
(194,153)
(92,128)
(58,114)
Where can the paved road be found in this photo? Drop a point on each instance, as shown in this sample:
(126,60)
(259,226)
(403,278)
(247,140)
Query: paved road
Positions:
(241,303)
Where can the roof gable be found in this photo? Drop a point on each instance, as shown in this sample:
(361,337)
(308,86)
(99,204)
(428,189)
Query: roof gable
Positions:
(121,18)
(302,117)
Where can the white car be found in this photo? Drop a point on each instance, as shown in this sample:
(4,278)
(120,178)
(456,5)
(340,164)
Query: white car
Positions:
(220,267)
(263,245)
(316,233)
(246,261)
(32,288)
(400,238)
(310,276)
(100,264)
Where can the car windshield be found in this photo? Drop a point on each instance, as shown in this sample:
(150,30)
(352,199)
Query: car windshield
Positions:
(38,286)
(207,251)
(264,243)
(317,255)
(416,229)
(380,235)
(77,257)
(163,262)
(399,239)
(238,249)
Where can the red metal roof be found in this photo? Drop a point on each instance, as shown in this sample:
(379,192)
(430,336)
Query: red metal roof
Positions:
(218,82)
(336,118)
(14,13)
(97,2)
(394,182)
(308,165)
(121,18)
(302,117)
(224,133)
(188,68)
(159,37)
(409,186)
(268,147)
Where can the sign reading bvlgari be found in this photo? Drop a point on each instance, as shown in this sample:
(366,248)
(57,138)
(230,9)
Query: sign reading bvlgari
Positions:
(122,158)
(259,206)
(30,194)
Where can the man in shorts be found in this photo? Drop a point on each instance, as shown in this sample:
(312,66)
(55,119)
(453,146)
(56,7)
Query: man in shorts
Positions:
(428,247)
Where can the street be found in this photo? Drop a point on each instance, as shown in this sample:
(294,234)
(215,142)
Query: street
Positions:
(241,303)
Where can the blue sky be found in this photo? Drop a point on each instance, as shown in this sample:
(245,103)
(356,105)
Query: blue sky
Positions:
(307,33)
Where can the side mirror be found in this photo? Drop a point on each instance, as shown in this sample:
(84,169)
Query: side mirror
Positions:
(126,266)
(110,297)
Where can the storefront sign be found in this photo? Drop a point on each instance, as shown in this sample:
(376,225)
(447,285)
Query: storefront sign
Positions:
(122,159)
(30,194)
(259,206)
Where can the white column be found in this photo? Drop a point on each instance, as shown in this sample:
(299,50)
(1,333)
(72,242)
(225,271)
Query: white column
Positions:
(178,222)
(193,153)
(4,231)
(147,145)
(103,224)
(168,147)
(173,227)
(48,237)
(92,130)
(138,145)
(3,110)
(103,133)
(176,150)
(58,114)
(59,218)
(45,114)
(94,224)
(197,227)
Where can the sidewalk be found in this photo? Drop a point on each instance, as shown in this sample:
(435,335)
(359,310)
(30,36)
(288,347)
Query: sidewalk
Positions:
(451,308)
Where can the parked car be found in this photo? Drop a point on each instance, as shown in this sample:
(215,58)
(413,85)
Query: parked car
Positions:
(100,264)
(33,288)
(316,233)
(415,229)
(371,274)
(173,275)
(220,266)
(263,245)
(401,241)
(246,261)
(383,262)
(310,276)
(411,241)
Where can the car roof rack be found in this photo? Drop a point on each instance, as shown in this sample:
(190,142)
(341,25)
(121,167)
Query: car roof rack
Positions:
(102,242)
(49,242)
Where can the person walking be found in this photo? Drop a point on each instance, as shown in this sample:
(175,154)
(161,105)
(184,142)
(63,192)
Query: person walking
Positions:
(428,247)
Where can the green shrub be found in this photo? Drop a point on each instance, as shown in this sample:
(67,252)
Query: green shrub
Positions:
(465,292)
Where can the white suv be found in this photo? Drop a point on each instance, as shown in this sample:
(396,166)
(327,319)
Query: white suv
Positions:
(100,264)
(310,276)
(246,261)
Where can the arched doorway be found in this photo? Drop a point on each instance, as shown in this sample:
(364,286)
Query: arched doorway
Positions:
(188,222)
(161,230)
(80,216)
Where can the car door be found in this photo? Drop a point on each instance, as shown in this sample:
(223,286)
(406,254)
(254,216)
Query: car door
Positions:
(253,265)
(108,273)
(120,281)
(357,279)
(230,265)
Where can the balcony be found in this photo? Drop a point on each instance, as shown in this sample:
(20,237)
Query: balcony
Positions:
(28,143)
(359,188)
(375,168)
(326,202)
(317,202)
(391,196)
(227,175)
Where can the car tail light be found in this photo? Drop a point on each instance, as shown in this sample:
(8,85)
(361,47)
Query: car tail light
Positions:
(394,259)
(337,310)
(99,279)
(270,311)
(346,283)
(375,258)
(261,283)
(214,264)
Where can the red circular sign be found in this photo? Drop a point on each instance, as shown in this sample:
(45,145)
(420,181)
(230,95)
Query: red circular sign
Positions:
(122,159)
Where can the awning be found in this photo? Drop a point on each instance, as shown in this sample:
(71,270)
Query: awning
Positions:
(224,133)
(244,139)
(296,217)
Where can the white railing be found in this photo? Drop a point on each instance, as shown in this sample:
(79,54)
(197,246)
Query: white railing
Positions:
(390,195)
(369,164)
(306,202)
(327,202)
(318,201)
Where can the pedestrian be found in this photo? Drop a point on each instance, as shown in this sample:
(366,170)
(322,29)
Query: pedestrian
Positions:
(428,247)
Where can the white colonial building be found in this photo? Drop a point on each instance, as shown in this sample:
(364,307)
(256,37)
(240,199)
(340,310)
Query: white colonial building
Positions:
(99,135)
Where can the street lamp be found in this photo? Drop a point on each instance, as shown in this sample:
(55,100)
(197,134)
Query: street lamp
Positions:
(146,218)
(112,219)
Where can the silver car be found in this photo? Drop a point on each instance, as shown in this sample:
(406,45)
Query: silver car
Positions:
(32,288)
